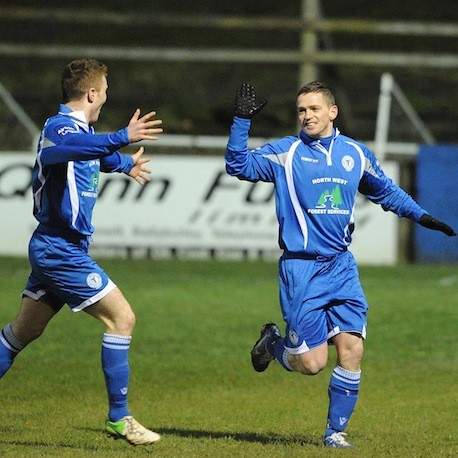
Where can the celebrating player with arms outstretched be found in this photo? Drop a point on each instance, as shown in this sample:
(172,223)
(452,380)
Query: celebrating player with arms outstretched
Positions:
(317,176)
(65,188)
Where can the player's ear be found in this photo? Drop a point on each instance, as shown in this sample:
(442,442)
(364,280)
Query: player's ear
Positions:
(91,95)
(333,112)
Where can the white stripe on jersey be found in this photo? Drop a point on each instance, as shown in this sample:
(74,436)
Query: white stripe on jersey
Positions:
(361,156)
(292,191)
(40,176)
(73,191)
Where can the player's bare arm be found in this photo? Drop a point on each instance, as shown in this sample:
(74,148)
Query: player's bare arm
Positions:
(140,173)
(144,127)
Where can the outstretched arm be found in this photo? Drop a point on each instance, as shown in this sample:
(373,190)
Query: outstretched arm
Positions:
(139,128)
(380,189)
(432,223)
(61,142)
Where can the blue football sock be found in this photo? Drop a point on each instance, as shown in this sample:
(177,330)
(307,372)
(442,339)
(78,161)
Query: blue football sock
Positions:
(10,346)
(343,394)
(115,365)
(281,354)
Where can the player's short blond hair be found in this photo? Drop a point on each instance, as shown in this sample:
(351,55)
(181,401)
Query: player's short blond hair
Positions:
(79,76)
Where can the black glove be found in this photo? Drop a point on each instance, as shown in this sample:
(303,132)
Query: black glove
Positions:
(431,223)
(245,102)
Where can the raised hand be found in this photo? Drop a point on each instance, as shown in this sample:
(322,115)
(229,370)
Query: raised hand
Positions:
(143,128)
(245,102)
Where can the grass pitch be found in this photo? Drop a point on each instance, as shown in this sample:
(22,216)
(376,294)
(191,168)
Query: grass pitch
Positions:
(192,379)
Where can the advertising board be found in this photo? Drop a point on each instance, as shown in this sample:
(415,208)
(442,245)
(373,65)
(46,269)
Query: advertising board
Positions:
(191,208)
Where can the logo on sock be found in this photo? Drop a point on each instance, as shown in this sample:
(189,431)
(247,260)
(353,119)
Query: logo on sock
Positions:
(124,391)
(342,420)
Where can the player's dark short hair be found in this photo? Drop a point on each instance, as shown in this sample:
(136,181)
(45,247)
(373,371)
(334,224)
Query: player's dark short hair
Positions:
(79,76)
(316,86)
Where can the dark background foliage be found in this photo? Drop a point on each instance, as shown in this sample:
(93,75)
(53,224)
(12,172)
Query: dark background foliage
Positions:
(197,98)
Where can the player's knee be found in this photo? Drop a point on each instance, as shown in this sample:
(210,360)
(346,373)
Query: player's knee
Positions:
(350,354)
(351,362)
(27,334)
(125,324)
(115,312)
(131,320)
(314,368)
(308,366)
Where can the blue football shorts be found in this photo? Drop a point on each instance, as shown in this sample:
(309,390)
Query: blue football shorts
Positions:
(64,273)
(320,299)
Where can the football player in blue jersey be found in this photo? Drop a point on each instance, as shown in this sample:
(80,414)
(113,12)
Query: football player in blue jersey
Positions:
(65,182)
(317,175)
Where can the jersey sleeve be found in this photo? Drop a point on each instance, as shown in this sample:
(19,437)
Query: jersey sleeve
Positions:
(116,162)
(380,189)
(243,163)
(61,142)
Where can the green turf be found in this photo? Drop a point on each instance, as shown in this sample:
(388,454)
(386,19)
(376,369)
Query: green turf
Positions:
(191,375)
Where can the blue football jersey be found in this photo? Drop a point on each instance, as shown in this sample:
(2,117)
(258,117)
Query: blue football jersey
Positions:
(316,183)
(65,177)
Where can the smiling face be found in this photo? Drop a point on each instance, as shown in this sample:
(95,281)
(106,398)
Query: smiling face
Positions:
(316,114)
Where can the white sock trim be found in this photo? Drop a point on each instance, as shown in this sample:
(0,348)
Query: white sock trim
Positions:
(116,342)
(347,376)
(285,360)
(10,340)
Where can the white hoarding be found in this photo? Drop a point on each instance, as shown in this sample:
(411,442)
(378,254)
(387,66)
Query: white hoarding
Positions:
(191,207)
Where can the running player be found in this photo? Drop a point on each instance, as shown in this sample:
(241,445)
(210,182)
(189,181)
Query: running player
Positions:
(65,183)
(317,176)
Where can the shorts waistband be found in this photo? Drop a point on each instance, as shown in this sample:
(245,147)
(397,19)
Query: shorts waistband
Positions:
(71,236)
(310,257)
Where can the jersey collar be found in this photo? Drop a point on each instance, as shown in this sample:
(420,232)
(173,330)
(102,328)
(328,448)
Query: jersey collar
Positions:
(77,116)
(313,141)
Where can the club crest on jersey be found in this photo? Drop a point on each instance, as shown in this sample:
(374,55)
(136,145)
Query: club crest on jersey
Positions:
(94,280)
(348,163)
